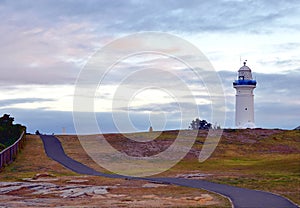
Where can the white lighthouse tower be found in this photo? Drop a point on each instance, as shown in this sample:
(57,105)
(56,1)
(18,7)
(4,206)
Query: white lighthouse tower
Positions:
(244,105)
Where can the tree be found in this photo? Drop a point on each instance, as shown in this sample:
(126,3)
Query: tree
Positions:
(6,120)
(200,124)
(9,132)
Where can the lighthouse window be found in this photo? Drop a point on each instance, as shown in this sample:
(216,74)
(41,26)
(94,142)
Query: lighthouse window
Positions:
(241,77)
(246,108)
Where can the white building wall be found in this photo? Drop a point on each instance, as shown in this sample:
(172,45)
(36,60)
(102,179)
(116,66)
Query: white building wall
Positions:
(244,114)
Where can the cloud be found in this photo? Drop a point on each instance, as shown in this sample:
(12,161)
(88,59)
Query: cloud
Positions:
(282,63)
(276,98)
(7,102)
(215,15)
(276,106)
(42,51)
(288,46)
(48,122)
(48,42)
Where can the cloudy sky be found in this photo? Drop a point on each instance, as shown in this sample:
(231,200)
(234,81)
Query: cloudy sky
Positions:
(45,44)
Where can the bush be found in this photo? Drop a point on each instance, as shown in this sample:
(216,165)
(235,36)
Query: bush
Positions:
(9,132)
(198,124)
(2,147)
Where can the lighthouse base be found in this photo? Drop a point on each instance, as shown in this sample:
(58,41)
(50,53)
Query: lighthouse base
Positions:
(248,125)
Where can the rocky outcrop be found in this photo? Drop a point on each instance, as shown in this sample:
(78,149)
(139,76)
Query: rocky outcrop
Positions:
(194,175)
(64,191)
(45,194)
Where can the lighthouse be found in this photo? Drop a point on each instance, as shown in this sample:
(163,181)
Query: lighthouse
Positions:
(244,100)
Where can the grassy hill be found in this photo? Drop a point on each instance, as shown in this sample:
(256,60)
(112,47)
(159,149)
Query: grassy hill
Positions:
(262,159)
(258,159)
(33,161)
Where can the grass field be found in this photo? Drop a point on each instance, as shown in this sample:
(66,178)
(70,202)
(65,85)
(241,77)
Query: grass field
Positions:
(258,159)
(32,160)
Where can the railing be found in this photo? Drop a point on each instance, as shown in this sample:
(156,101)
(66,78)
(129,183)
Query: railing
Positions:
(8,155)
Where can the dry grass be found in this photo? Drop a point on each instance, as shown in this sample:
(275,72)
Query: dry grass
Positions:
(258,159)
(73,149)
(30,161)
(33,160)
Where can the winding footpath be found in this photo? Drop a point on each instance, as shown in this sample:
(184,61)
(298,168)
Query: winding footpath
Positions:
(240,197)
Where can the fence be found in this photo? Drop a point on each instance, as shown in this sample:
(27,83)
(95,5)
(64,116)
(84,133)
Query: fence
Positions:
(8,155)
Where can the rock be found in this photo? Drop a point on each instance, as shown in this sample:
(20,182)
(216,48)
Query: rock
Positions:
(78,194)
(193,175)
(100,191)
(26,179)
(197,198)
(7,189)
(207,197)
(151,196)
(78,181)
(153,185)
(69,191)
(39,175)
(40,179)
(3,184)
(16,201)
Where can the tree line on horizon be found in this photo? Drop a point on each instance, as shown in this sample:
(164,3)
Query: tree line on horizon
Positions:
(198,124)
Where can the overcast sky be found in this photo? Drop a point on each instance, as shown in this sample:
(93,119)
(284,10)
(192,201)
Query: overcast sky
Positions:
(45,44)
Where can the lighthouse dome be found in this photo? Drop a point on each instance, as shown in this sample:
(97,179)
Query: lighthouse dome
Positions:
(245,68)
(244,73)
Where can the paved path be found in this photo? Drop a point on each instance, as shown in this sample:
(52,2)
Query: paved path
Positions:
(240,197)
